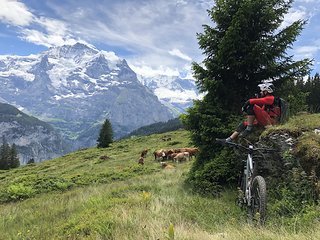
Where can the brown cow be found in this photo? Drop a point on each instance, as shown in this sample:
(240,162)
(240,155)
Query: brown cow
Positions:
(183,156)
(167,153)
(192,151)
(166,165)
(144,153)
(141,161)
(171,156)
(180,150)
(159,154)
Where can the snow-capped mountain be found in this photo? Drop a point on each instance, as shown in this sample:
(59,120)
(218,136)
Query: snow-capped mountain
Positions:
(175,92)
(75,88)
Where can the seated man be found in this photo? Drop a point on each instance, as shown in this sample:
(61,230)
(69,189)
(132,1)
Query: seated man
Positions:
(260,111)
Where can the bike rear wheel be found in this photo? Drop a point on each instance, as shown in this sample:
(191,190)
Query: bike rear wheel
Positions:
(257,210)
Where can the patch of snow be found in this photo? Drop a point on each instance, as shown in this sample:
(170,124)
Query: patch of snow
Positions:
(18,66)
(19,73)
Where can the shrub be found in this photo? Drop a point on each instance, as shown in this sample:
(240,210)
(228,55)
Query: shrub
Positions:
(18,191)
(220,171)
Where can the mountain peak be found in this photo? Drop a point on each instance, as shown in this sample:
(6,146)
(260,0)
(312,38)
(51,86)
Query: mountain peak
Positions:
(71,51)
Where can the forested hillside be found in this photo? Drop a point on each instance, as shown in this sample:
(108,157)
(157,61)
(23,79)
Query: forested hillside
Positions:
(161,127)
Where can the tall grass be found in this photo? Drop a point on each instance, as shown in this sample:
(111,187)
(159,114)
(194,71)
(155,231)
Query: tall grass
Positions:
(147,202)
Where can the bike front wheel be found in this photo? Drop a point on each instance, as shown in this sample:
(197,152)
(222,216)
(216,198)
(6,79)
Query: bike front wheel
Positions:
(257,210)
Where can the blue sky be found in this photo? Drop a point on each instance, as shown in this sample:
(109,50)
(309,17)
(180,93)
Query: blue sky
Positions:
(154,36)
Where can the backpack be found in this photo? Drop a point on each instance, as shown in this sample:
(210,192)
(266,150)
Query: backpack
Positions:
(284,109)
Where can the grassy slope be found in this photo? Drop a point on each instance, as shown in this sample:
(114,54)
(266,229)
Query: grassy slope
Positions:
(80,196)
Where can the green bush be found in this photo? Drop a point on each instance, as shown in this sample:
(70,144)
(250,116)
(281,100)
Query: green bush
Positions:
(51,183)
(293,195)
(221,171)
(18,191)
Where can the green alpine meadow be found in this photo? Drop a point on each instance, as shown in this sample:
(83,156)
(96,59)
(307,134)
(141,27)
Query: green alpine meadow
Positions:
(181,183)
(104,193)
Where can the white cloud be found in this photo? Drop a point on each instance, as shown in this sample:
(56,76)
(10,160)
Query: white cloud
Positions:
(15,13)
(48,40)
(147,29)
(38,30)
(51,32)
(307,1)
(52,26)
(178,53)
(181,2)
(147,71)
(293,15)
(306,51)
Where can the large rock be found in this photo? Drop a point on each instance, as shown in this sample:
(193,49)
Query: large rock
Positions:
(294,165)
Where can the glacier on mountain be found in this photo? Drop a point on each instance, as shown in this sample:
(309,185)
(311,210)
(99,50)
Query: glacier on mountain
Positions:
(174,91)
(75,88)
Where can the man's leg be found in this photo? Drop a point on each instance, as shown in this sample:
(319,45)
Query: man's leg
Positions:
(262,116)
(241,127)
(250,120)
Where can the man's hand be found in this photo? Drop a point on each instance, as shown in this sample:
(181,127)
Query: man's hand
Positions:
(245,106)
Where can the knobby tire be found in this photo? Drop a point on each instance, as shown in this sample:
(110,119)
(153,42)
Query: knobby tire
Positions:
(257,211)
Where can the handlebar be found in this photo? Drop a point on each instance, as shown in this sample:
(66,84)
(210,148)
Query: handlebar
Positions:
(239,146)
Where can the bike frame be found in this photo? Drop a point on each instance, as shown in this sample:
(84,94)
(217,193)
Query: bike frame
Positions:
(253,191)
(248,173)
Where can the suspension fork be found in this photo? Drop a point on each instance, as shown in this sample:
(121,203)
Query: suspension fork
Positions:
(249,176)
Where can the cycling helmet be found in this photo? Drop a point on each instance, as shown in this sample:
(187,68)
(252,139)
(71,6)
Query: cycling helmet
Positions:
(269,87)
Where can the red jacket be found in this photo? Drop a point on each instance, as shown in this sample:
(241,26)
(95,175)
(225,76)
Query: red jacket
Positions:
(267,100)
(267,104)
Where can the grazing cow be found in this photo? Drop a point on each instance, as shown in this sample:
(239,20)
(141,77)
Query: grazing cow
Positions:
(166,165)
(192,151)
(180,150)
(159,154)
(163,164)
(144,153)
(169,166)
(171,156)
(183,156)
(167,153)
(141,160)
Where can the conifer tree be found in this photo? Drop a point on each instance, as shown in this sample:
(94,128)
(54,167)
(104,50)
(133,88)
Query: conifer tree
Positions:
(243,47)
(13,160)
(4,154)
(106,135)
(313,89)
(31,160)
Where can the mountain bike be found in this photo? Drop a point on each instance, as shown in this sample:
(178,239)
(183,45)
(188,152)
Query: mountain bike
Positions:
(252,191)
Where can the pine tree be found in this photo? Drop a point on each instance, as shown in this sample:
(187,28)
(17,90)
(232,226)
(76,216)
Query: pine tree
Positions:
(106,135)
(313,88)
(4,154)
(13,160)
(30,161)
(244,47)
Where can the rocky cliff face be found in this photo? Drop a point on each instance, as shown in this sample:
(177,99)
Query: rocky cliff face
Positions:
(294,165)
(34,139)
(75,88)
